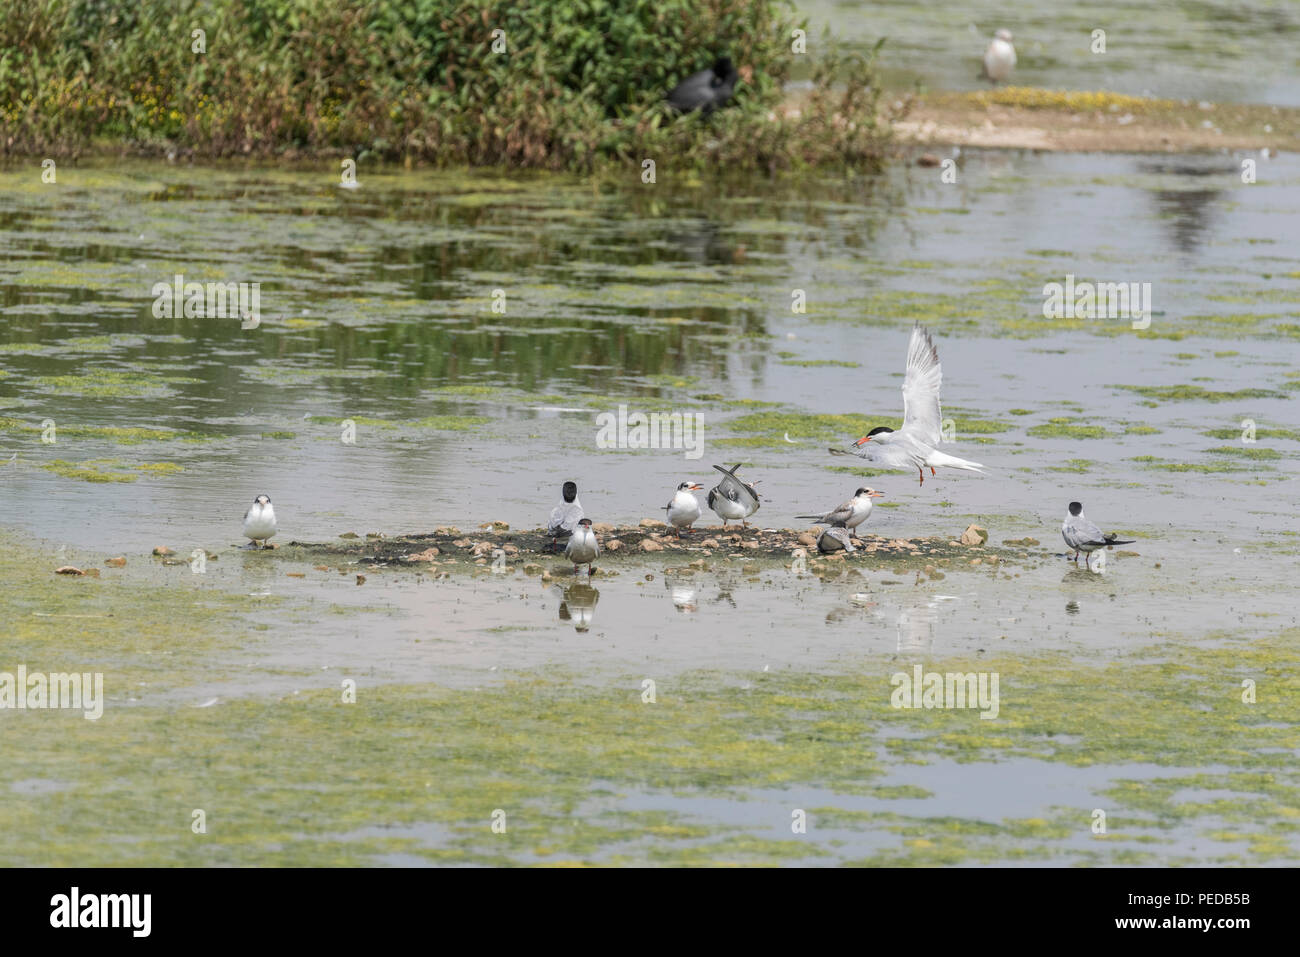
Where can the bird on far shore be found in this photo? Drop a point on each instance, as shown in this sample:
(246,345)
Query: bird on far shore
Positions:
(731,498)
(707,90)
(1000,57)
(1083,536)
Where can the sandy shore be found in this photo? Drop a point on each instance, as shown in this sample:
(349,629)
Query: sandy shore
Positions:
(1024,118)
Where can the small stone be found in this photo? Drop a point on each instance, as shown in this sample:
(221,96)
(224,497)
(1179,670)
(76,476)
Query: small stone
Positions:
(649,546)
(117,562)
(294,575)
(710,543)
(361,579)
(462,543)
(162,550)
(349,535)
(375,535)
(927,159)
(532,568)
(428,555)
(651,523)
(750,544)
(976,561)
(68,570)
(321,568)
(974,535)
(603,528)
(446,530)
(613,545)
(510,549)
(1125,553)
(807,539)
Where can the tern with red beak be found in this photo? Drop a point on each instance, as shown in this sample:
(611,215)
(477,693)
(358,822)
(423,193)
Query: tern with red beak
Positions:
(684,509)
(913,445)
(849,514)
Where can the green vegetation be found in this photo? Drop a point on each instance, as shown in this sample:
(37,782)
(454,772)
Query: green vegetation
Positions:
(563,85)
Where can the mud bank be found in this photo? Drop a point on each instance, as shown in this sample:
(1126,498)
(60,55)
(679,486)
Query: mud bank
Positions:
(484,546)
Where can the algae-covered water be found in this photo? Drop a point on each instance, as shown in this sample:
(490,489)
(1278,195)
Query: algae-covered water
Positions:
(433,350)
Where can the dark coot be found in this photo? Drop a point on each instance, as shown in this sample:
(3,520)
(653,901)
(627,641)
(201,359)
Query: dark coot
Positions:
(706,90)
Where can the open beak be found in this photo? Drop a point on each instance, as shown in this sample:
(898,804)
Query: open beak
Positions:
(865,438)
(874,494)
(696,488)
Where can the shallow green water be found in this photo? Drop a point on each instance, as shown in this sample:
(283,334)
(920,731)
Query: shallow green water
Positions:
(377,308)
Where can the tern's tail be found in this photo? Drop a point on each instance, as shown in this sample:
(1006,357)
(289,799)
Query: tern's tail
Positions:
(938,459)
(1112,540)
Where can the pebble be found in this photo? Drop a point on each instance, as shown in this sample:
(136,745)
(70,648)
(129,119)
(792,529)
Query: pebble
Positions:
(649,546)
(974,535)
(117,562)
(162,550)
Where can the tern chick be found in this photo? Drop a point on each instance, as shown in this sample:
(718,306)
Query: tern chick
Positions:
(259,521)
(684,509)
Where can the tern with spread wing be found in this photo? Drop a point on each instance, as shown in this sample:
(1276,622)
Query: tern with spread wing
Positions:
(913,445)
(731,498)
(1083,536)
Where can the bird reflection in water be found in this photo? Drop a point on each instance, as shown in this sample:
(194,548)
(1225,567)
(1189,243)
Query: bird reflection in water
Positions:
(684,599)
(578,605)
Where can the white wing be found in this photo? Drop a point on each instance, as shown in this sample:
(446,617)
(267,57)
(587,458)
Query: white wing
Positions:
(921,413)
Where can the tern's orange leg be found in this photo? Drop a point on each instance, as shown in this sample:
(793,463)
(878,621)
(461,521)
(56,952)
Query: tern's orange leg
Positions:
(920,474)
(932,472)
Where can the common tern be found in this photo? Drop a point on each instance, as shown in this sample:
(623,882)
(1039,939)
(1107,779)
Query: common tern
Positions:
(848,514)
(684,509)
(834,539)
(913,445)
(565,516)
(259,521)
(1000,57)
(731,498)
(583,549)
(1083,536)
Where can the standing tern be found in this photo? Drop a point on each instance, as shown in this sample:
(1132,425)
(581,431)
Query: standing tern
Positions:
(731,498)
(259,521)
(1083,536)
(684,509)
(565,516)
(913,445)
(848,514)
(1000,57)
(583,549)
